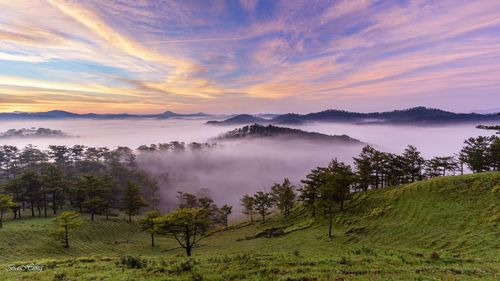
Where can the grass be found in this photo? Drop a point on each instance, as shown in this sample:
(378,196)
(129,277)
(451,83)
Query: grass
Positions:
(445,228)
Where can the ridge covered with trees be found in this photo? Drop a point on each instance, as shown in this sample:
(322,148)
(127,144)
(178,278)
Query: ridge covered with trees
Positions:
(256,131)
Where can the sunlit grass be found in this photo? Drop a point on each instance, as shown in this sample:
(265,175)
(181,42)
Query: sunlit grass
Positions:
(440,229)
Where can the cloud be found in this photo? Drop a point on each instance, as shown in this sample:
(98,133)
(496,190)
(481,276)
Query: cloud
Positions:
(278,55)
(249,5)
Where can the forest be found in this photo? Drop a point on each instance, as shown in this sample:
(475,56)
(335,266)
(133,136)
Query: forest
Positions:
(69,182)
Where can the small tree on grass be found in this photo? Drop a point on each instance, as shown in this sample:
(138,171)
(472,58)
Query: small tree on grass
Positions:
(226,210)
(284,196)
(147,224)
(132,200)
(66,222)
(6,202)
(337,179)
(262,203)
(185,225)
(248,204)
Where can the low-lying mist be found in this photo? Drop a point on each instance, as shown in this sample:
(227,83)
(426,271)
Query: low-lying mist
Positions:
(236,168)
(233,169)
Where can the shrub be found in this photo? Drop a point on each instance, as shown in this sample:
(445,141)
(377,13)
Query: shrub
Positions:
(435,256)
(132,262)
(60,276)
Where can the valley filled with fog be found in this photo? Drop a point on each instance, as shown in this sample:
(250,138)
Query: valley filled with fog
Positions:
(232,169)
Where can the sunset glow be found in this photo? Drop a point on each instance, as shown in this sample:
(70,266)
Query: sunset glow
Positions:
(248,56)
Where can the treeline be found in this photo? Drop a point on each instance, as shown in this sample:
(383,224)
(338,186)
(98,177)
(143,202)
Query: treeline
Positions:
(94,180)
(97,181)
(175,146)
(324,188)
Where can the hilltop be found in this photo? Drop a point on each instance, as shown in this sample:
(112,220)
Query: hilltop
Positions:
(239,119)
(416,116)
(257,131)
(445,227)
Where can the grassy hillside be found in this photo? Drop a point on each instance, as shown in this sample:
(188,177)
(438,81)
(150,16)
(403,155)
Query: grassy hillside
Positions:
(446,228)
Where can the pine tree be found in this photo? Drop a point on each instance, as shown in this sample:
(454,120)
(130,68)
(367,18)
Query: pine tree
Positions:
(132,200)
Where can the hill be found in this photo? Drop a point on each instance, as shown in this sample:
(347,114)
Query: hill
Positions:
(445,228)
(257,131)
(33,133)
(239,119)
(414,116)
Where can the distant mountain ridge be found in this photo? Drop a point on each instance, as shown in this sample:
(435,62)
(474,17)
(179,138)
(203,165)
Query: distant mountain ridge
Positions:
(257,131)
(61,114)
(415,115)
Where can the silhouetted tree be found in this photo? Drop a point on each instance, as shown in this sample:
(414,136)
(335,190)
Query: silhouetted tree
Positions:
(413,163)
(480,154)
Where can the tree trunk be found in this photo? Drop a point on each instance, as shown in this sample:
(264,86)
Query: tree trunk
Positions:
(188,243)
(152,240)
(92,214)
(32,208)
(130,217)
(330,222)
(44,205)
(1,218)
(54,205)
(313,209)
(66,236)
(107,213)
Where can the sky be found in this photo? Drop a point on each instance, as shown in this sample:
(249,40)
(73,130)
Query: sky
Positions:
(248,56)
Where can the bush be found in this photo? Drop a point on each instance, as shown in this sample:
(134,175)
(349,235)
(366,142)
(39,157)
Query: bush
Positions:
(60,276)
(132,262)
(435,256)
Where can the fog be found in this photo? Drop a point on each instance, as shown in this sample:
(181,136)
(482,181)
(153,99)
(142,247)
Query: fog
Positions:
(233,169)
(236,168)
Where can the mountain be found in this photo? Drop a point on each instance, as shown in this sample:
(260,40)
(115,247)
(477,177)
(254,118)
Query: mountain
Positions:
(170,114)
(60,114)
(415,116)
(257,131)
(239,119)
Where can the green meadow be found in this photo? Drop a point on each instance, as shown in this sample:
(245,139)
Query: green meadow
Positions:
(445,228)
